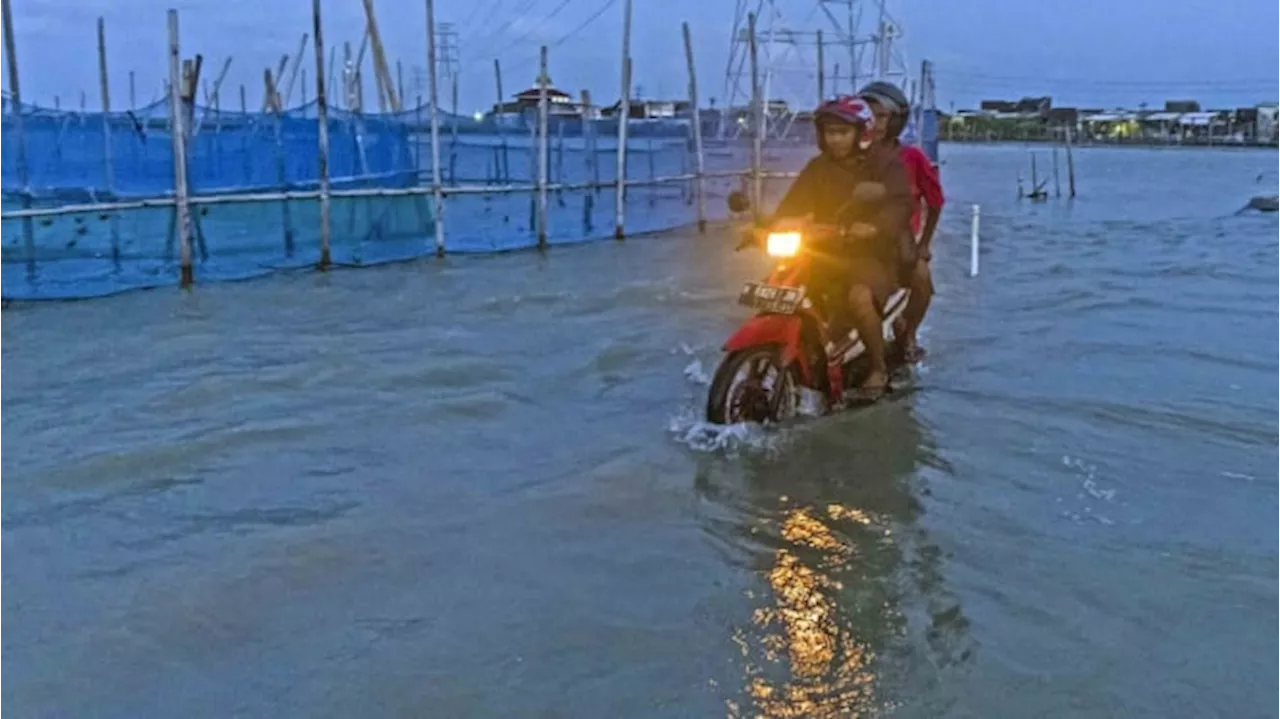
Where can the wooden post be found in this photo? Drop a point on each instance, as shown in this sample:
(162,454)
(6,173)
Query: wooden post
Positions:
(108,175)
(589,142)
(133,93)
(453,129)
(400,83)
(293,75)
(330,80)
(274,104)
(592,167)
(436,189)
(757,122)
(822,68)
(380,67)
(1057,180)
(624,115)
(504,174)
(542,147)
(244,105)
(696,119)
(177,123)
(24,178)
(322,133)
(347,77)
(1071,166)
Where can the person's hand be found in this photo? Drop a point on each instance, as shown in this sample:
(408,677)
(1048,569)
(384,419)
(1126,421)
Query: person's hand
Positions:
(791,224)
(861,231)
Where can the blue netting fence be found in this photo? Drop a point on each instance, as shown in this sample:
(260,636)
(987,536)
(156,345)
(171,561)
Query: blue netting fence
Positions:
(112,230)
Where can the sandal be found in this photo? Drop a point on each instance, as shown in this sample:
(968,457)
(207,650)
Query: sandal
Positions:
(865,396)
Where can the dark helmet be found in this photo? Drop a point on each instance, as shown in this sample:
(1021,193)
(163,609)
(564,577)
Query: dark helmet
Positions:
(888,96)
(847,110)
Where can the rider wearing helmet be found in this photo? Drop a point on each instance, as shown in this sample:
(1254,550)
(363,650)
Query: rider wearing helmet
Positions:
(891,108)
(824,192)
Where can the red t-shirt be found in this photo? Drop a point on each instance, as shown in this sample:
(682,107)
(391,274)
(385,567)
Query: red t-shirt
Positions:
(924,183)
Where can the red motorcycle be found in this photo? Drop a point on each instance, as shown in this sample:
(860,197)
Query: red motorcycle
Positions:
(790,343)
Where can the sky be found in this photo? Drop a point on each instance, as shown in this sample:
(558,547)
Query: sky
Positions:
(1085,53)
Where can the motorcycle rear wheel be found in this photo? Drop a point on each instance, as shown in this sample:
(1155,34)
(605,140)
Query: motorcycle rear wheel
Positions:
(751,385)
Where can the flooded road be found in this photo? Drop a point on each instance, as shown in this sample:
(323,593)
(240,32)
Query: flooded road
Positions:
(478,486)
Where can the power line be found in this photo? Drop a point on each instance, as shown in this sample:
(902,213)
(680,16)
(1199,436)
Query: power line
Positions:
(533,28)
(494,6)
(532,52)
(594,16)
(516,15)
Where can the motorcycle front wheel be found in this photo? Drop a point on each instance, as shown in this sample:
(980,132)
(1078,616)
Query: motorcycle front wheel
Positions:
(752,385)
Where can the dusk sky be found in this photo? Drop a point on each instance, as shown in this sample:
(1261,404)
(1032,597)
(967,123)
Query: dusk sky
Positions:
(1088,53)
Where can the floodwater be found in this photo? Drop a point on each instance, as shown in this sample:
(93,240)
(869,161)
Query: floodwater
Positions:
(478,486)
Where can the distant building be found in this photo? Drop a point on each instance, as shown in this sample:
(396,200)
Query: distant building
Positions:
(559,103)
(1026,107)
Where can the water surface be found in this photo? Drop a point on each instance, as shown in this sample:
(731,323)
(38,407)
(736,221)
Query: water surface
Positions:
(478,487)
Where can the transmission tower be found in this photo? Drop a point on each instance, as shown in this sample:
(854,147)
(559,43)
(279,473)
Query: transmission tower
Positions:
(447,50)
(839,44)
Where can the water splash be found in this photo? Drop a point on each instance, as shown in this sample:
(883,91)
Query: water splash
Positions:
(1091,488)
(732,440)
(696,373)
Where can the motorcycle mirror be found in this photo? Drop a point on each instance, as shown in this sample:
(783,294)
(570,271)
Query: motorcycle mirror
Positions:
(738,202)
(869,192)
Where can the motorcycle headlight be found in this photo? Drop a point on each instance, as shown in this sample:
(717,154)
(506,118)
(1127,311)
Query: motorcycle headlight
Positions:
(783,244)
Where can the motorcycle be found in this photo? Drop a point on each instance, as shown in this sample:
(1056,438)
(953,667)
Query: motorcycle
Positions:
(791,342)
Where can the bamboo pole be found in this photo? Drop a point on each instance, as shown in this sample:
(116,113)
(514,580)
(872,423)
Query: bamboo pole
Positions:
(453,128)
(589,157)
(432,80)
(322,133)
(1071,166)
(504,174)
(376,192)
(108,175)
(177,123)
(624,114)
(24,177)
(293,75)
(274,103)
(400,83)
(542,147)
(133,91)
(822,69)
(696,120)
(757,122)
(380,67)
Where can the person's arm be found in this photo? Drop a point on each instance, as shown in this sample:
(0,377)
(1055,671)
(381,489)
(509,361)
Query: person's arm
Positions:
(798,201)
(931,191)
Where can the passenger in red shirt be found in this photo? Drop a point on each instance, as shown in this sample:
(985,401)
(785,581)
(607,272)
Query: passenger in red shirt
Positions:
(891,108)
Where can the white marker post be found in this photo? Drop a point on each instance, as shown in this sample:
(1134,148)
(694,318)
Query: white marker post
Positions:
(973,243)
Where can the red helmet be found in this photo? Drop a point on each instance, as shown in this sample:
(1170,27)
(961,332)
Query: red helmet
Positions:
(848,110)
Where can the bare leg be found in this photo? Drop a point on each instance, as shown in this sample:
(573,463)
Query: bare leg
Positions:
(866,319)
(917,305)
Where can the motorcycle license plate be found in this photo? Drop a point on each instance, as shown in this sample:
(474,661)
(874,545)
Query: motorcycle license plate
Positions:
(771,298)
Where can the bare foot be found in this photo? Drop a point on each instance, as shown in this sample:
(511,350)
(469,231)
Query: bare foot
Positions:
(871,389)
